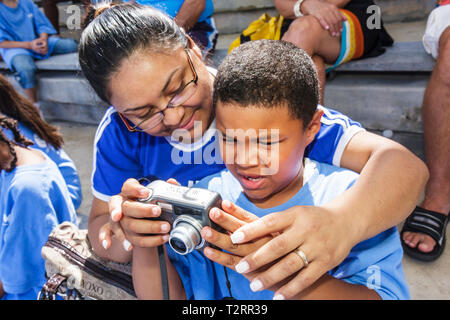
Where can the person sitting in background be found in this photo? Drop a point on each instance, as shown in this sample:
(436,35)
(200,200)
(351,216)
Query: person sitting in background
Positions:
(332,31)
(423,233)
(34,199)
(194,16)
(24,36)
(44,136)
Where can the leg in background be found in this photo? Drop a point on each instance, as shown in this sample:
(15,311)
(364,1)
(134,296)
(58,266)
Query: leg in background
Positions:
(26,69)
(436,122)
(307,33)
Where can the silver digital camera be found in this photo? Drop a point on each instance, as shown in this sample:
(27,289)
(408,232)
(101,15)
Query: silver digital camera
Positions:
(187,211)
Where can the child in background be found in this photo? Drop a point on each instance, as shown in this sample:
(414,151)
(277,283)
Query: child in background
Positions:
(44,136)
(34,198)
(24,36)
(262,86)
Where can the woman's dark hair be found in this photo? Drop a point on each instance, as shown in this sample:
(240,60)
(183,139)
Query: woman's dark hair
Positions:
(15,106)
(19,139)
(269,73)
(119,31)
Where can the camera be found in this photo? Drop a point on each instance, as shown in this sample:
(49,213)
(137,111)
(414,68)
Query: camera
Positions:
(187,211)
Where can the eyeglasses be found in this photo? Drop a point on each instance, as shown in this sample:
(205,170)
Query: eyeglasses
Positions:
(155,118)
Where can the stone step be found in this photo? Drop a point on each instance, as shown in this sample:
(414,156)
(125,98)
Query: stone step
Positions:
(379,101)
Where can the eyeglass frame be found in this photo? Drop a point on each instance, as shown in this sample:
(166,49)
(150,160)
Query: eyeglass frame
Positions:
(136,128)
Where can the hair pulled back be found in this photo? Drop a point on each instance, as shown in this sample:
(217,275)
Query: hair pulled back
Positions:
(118,31)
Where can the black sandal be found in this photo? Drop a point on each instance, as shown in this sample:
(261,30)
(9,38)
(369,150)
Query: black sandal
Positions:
(430,223)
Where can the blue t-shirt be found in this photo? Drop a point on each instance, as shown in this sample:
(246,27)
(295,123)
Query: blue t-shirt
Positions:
(33,200)
(65,165)
(375,263)
(24,23)
(171,7)
(120,154)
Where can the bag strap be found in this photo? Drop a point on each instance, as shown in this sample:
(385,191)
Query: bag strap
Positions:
(50,288)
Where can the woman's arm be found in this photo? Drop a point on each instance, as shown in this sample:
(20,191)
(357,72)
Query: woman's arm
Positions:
(189,13)
(391,181)
(147,276)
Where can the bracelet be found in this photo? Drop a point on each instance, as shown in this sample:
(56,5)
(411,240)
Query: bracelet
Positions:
(297,11)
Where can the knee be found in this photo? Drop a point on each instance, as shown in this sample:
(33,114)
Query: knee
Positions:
(304,32)
(307,25)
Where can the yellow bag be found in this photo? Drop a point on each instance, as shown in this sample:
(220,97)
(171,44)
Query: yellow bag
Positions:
(266,27)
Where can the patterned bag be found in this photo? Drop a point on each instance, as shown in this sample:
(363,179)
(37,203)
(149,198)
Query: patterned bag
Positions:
(74,271)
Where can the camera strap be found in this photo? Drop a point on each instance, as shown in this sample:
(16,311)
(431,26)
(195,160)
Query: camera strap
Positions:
(163,269)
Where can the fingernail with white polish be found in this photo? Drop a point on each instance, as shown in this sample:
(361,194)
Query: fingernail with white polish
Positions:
(237,237)
(105,244)
(126,245)
(115,215)
(278,297)
(256,285)
(242,267)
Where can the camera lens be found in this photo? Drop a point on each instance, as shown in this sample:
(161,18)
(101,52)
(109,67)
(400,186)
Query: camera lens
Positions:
(177,245)
(185,235)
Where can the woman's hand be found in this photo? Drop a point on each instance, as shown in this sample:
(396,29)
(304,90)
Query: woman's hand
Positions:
(328,15)
(322,235)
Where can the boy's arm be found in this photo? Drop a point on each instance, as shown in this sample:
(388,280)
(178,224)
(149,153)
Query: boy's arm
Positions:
(147,276)
(2,292)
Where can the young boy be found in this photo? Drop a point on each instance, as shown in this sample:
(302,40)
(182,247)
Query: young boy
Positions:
(265,98)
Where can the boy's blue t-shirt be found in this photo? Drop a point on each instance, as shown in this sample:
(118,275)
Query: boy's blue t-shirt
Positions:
(171,7)
(120,154)
(33,200)
(375,263)
(65,165)
(24,23)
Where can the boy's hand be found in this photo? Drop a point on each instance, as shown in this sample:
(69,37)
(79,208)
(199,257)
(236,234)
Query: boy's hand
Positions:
(231,219)
(328,15)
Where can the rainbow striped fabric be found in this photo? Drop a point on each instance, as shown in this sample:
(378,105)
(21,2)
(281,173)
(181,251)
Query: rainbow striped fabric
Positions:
(352,40)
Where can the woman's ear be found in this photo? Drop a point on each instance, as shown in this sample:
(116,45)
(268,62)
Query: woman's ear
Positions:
(314,126)
(194,47)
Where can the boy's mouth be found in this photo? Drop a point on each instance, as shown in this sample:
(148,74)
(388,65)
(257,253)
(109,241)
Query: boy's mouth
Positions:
(251,181)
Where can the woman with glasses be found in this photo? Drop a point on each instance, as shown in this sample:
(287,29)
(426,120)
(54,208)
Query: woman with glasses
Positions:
(160,125)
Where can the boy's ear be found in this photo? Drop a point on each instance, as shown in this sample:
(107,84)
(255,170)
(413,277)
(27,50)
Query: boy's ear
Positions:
(194,47)
(314,126)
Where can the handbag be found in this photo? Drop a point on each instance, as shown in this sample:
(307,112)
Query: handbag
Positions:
(75,272)
(265,27)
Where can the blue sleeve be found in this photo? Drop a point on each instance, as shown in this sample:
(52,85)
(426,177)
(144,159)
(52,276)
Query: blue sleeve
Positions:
(70,174)
(115,158)
(41,23)
(377,264)
(26,229)
(335,132)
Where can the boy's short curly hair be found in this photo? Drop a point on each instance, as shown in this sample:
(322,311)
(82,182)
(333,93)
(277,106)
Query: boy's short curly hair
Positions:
(269,73)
